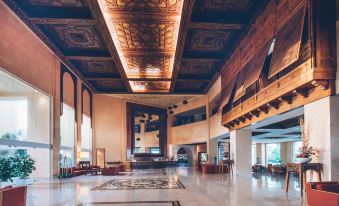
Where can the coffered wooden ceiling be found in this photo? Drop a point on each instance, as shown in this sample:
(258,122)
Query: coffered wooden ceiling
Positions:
(141,46)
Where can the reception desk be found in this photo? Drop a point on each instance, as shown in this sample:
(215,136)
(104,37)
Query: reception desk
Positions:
(151,164)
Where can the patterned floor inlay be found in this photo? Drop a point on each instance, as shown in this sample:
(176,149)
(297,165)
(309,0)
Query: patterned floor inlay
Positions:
(149,172)
(130,184)
(139,203)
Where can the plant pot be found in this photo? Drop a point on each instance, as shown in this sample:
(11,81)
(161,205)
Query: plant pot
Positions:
(303,160)
(5,184)
(22,181)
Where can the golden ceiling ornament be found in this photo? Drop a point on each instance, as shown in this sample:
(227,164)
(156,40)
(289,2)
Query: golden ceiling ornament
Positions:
(145,34)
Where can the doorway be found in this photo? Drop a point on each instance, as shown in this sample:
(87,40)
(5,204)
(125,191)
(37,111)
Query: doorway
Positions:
(100,154)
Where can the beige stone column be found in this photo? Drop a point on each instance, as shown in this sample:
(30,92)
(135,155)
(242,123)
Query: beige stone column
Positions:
(321,124)
(241,146)
(55,122)
(258,148)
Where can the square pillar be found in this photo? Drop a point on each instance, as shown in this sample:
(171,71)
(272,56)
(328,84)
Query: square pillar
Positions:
(259,153)
(241,151)
(321,124)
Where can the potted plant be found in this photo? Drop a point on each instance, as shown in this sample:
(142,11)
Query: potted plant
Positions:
(23,166)
(5,172)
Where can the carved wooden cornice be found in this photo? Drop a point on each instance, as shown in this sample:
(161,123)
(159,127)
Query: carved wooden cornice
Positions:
(295,89)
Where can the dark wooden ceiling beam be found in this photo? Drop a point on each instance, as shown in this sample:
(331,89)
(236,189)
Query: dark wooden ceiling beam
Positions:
(212,25)
(88,58)
(80,22)
(185,19)
(98,16)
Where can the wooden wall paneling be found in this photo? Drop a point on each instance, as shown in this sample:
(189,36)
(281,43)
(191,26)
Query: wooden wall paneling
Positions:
(286,10)
(255,66)
(240,90)
(226,93)
(287,43)
(325,39)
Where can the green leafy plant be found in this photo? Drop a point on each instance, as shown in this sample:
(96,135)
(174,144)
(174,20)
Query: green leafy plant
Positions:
(23,166)
(9,136)
(5,169)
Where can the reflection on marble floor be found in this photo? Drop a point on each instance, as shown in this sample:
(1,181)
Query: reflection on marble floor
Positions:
(133,184)
(200,190)
(133,203)
(149,172)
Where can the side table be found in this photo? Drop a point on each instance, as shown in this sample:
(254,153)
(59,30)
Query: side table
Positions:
(301,169)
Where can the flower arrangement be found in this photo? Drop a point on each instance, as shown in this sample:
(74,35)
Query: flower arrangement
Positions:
(307,152)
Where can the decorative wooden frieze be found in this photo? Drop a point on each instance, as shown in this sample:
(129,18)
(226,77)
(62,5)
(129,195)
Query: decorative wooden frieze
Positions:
(294,89)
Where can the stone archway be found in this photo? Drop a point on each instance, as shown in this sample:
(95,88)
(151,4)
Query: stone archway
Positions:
(185,156)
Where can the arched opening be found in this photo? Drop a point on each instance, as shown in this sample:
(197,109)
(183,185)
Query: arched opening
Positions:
(184,157)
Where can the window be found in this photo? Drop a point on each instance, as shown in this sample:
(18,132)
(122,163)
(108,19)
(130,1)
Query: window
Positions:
(67,133)
(273,153)
(296,146)
(86,139)
(14,125)
(25,123)
(254,154)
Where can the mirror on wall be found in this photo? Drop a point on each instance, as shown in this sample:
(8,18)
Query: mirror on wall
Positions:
(146,131)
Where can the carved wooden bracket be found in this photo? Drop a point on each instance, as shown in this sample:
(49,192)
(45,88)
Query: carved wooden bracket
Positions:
(264,109)
(274,105)
(248,116)
(255,113)
(323,84)
(301,92)
(287,99)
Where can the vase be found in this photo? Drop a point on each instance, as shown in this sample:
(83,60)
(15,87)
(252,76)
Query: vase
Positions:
(303,159)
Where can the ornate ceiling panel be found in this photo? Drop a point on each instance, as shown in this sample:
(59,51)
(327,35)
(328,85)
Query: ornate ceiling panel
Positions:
(109,85)
(150,86)
(71,38)
(96,68)
(208,40)
(145,35)
(224,5)
(197,68)
(134,46)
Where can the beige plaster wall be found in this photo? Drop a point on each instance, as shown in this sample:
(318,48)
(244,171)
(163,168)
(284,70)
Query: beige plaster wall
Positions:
(25,56)
(109,117)
(188,134)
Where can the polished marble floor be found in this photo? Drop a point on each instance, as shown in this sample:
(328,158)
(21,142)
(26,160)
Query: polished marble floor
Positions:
(198,190)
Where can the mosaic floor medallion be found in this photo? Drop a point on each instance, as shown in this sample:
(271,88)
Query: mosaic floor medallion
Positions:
(139,203)
(149,172)
(130,184)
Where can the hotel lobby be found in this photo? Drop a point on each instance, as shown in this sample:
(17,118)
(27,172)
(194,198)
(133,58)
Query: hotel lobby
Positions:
(169,102)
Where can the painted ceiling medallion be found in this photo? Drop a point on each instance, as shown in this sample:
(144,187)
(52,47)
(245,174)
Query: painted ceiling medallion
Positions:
(145,34)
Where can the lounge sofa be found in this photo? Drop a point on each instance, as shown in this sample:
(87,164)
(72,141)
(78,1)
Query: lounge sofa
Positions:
(319,193)
(13,196)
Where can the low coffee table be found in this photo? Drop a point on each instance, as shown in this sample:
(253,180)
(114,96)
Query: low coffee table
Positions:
(94,171)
